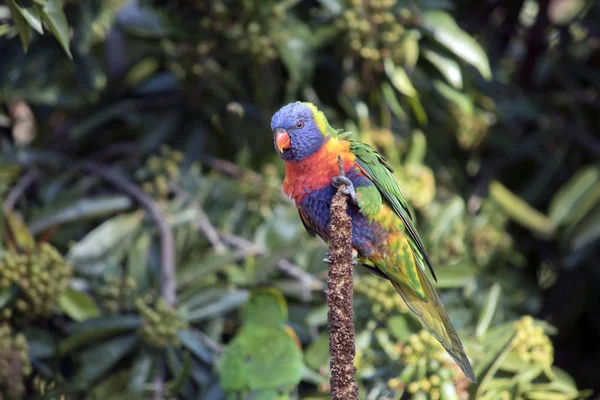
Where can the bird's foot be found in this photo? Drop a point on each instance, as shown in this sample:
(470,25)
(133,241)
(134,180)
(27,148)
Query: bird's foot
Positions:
(354,257)
(348,189)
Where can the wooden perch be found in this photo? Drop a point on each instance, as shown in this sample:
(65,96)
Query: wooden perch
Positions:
(340,318)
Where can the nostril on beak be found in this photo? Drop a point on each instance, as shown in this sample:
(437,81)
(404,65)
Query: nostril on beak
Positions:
(282,139)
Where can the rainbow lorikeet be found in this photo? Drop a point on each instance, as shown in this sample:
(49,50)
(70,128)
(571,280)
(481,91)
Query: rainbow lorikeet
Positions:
(384,238)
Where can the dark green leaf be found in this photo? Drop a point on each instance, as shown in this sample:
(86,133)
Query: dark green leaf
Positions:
(445,30)
(20,22)
(100,358)
(192,341)
(54,17)
(227,302)
(180,370)
(81,209)
(95,329)
(577,197)
(140,372)
(40,342)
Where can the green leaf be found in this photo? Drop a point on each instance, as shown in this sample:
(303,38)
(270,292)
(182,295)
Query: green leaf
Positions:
(19,232)
(22,26)
(100,358)
(455,276)
(410,50)
(418,148)
(31,14)
(296,53)
(398,77)
(317,316)
(181,371)
(106,243)
(521,212)
(448,67)
(192,341)
(140,372)
(54,17)
(445,31)
(496,352)
(399,327)
(577,197)
(456,97)
(81,209)
(137,260)
(587,231)
(96,329)
(452,210)
(489,308)
(40,343)
(317,354)
(392,101)
(78,305)
(227,302)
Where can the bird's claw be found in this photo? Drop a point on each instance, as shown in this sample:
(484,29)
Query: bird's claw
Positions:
(348,189)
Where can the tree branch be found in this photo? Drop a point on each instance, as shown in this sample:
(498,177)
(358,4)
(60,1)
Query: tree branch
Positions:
(339,292)
(202,223)
(166,236)
(20,188)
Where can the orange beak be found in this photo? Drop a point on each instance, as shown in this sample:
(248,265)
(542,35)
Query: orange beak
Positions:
(282,140)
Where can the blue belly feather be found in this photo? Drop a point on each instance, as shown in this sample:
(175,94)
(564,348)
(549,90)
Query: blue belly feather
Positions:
(315,207)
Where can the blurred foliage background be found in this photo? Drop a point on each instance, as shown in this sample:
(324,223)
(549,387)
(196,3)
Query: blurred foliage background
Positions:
(142,202)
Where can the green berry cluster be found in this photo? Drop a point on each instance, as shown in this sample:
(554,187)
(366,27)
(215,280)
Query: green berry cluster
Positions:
(117,295)
(14,363)
(41,277)
(250,28)
(471,128)
(262,193)
(381,293)
(427,368)
(531,344)
(161,324)
(374,29)
(160,170)
(452,245)
(487,241)
(418,184)
(226,30)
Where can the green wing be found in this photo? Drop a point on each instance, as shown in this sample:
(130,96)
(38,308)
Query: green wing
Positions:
(419,295)
(380,172)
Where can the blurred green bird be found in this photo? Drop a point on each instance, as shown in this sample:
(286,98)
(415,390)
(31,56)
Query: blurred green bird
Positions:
(264,359)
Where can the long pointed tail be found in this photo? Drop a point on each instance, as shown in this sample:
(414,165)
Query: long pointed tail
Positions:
(434,318)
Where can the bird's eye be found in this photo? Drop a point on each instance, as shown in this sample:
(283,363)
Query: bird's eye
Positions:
(299,124)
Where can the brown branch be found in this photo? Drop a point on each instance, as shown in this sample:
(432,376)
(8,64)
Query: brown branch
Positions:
(202,223)
(308,281)
(340,318)
(166,236)
(18,190)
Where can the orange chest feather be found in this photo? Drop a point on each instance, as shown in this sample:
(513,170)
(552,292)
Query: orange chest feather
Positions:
(317,171)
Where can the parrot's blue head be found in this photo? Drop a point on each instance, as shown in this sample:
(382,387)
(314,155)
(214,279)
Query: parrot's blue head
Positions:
(299,130)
